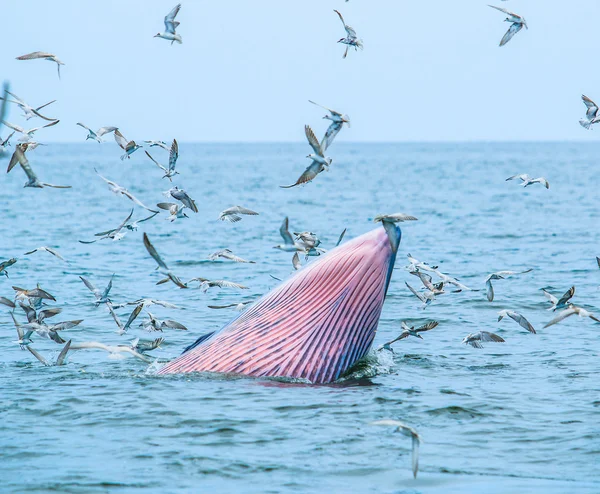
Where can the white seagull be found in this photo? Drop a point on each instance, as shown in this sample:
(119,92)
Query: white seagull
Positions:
(351,39)
(232,214)
(46,249)
(29,111)
(573,309)
(319,161)
(409,432)
(475,339)
(526,180)
(173,155)
(170,26)
(517,23)
(500,275)
(28,134)
(117,189)
(129,147)
(289,245)
(44,56)
(99,133)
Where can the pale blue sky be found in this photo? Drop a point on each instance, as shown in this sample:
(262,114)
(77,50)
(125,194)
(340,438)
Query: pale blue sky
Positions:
(431,69)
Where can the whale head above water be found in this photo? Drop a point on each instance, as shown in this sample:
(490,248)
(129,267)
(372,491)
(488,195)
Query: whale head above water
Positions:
(314,326)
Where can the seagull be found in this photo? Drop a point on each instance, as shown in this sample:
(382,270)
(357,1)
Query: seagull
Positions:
(237,307)
(388,221)
(170,26)
(232,215)
(517,23)
(500,275)
(99,133)
(28,134)
(351,39)
(515,316)
(31,296)
(147,302)
(426,297)
(572,309)
(29,111)
(475,339)
(205,284)
(175,210)
(154,324)
(115,234)
(182,196)
(173,155)
(43,55)
(591,114)
(117,189)
(409,432)
(101,297)
(228,254)
(161,144)
(6,264)
(410,331)
(415,265)
(310,239)
(50,332)
(562,302)
(129,147)
(526,180)
(289,245)
(427,281)
(47,249)
(7,302)
(145,346)
(319,161)
(162,267)
(337,122)
(4,143)
(296,261)
(113,350)
(60,360)
(32,177)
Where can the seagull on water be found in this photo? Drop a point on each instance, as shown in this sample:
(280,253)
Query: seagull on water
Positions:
(526,180)
(515,316)
(517,23)
(173,155)
(182,196)
(28,110)
(117,189)
(28,134)
(410,331)
(170,26)
(232,215)
(129,147)
(500,275)
(47,249)
(559,303)
(229,255)
(591,115)
(99,133)
(319,161)
(409,432)
(572,309)
(351,38)
(44,56)
(475,339)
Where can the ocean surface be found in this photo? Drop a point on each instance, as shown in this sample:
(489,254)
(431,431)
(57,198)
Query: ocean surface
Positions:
(520,416)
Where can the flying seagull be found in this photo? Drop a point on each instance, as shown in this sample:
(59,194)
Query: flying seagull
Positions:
(319,161)
(170,26)
(44,56)
(47,249)
(161,144)
(129,147)
(475,339)
(337,122)
(6,264)
(98,134)
(28,134)
(173,155)
(117,189)
(591,114)
(233,214)
(572,309)
(409,432)
(351,38)
(101,297)
(205,284)
(562,302)
(517,23)
(162,267)
(229,255)
(526,180)
(29,111)
(183,197)
(175,210)
(500,275)
(410,331)
(427,297)
(112,234)
(515,316)
(155,324)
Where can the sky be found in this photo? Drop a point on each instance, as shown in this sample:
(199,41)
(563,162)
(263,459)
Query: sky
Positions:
(431,70)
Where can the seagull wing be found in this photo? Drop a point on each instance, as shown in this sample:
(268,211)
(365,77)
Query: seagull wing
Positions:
(14,127)
(341,237)
(524,323)
(105,130)
(331,133)
(284,231)
(553,300)
(38,356)
(133,315)
(592,108)
(514,28)
(55,253)
(34,55)
(121,140)
(156,162)
(152,251)
(489,290)
(85,127)
(169,323)
(296,261)
(24,162)
(427,327)
(123,223)
(416,294)
(333,112)
(309,174)
(312,140)
(60,360)
(173,155)
(97,293)
(182,196)
(227,284)
(129,195)
(487,336)
(561,316)
(170,23)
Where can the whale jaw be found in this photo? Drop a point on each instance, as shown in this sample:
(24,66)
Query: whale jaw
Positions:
(314,326)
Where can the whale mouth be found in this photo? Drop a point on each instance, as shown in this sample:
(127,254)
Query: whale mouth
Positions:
(314,326)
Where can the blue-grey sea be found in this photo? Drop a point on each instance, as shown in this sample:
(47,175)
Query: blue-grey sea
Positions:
(520,416)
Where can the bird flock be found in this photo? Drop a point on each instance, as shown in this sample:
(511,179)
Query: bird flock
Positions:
(36,303)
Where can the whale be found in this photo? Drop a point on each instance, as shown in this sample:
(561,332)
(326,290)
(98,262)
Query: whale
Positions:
(314,326)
